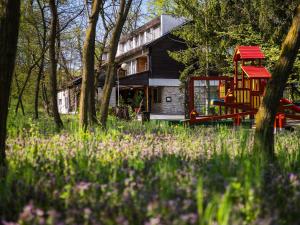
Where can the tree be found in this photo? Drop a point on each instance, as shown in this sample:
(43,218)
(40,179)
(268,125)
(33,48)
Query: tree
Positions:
(53,63)
(33,62)
(159,7)
(219,25)
(111,66)
(264,133)
(107,27)
(202,56)
(43,44)
(9,27)
(87,95)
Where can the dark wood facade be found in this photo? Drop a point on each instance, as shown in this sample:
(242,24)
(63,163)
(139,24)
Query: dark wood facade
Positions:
(162,66)
(136,79)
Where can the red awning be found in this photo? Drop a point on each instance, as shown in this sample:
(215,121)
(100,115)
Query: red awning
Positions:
(248,52)
(256,72)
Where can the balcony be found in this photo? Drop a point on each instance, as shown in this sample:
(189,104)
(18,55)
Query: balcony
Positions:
(136,66)
(137,79)
(142,64)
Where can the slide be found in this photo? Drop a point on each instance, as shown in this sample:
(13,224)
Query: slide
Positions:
(289,105)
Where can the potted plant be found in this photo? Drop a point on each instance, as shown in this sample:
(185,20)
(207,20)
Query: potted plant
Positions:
(137,101)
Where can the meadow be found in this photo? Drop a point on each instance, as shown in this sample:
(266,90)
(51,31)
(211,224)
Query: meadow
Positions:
(152,173)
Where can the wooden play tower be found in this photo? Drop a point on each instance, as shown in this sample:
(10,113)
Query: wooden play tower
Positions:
(241,95)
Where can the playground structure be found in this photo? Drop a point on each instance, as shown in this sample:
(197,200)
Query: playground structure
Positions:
(240,96)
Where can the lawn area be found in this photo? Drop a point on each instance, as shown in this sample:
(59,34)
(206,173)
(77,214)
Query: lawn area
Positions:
(152,173)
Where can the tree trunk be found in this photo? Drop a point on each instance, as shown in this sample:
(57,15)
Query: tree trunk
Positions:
(111,67)
(18,89)
(9,27)
(92,102)
(87,86)
(45,97)
(37,89)
(42,64)
(24,87)
(264,133)
(98,67)
(53,64)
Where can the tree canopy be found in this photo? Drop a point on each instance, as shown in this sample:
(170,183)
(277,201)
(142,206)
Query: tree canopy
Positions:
(222,25)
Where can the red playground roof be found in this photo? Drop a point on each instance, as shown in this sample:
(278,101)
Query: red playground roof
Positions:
(248,52)
(256,72)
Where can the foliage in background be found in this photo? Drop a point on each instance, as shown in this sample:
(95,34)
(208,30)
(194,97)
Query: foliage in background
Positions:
(159,7)
(225,24)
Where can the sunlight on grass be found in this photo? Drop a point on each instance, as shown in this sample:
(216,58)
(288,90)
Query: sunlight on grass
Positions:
(154,173)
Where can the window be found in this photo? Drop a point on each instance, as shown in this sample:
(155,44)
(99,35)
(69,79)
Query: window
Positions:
(157,95)
(142,38)
(130,42)
(132,67)
(156,32)
(104,56)
(121,48)
(67,102)
(148,35)
(60,101)
(129,68)
(126,47)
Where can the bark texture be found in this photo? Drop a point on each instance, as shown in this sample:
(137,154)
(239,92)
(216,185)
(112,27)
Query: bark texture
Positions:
(87,96)
(21,92)
(9,27)
(264,133)
(53,64)
(111,66)
(37,89)
(99,62)
(42,63)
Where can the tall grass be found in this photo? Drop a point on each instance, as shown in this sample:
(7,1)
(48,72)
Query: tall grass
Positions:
(152,173)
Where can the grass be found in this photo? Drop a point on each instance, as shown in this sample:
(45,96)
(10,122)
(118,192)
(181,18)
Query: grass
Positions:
(152,173)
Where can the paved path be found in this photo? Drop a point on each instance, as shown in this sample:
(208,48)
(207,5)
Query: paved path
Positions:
(164,117)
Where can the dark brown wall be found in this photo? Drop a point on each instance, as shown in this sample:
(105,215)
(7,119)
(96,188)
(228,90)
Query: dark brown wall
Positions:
(161,64)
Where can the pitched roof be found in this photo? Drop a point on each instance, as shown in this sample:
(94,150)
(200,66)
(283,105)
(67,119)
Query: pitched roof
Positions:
(256,72)
(248,52)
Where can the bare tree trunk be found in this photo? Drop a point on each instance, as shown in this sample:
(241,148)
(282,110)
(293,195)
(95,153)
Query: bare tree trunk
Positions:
(9,28)
(24,86)
(20,99)
(42,64)
(37,89)
(99,64)
(111,67)
(45,97)
(96,77)
(53,64)
(79,48)
(92,102)
(64,65)
(264,133)
(88,76)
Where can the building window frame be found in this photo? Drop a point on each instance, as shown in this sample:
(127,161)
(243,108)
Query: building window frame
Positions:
(157,95)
